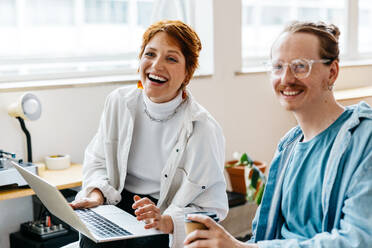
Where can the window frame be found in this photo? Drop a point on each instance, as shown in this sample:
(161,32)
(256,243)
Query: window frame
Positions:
(201,20)
(82,60)
(351,57)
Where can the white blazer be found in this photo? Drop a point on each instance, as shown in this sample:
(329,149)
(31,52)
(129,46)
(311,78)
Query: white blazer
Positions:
(192,179)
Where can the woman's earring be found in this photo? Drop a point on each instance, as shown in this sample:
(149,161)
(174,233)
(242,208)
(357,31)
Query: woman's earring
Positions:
(184,93)
(139,85)
(330,87)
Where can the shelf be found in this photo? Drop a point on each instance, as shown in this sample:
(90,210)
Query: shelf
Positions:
(357,93)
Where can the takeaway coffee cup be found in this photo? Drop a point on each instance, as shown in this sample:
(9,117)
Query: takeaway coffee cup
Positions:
(191,225)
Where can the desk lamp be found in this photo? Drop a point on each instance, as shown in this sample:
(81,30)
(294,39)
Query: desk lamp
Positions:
(28,107)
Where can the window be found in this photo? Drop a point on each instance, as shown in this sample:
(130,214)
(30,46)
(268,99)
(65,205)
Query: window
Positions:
(7,13)
(50,39)
(262,21)
(365,24)
(143,18)
(38,13)
(111,12)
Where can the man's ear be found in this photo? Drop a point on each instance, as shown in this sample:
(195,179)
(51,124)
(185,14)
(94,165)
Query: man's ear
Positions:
(334,70)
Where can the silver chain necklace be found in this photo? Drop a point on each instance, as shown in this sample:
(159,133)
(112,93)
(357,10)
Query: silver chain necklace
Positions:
(165,119)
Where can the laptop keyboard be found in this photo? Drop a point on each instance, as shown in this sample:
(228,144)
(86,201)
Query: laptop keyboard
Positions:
(99,225)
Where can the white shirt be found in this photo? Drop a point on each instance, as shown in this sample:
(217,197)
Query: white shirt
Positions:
(192,178)
(152,144)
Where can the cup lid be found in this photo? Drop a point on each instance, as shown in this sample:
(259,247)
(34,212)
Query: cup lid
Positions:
(209,214)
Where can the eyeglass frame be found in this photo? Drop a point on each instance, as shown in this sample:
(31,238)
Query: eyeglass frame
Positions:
(310,62)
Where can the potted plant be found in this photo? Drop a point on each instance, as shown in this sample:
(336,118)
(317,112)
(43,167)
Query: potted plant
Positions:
(247,177)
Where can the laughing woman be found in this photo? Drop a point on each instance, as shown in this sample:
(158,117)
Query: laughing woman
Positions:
(157,154)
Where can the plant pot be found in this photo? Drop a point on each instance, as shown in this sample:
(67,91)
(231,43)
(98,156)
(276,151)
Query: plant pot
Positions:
(236,175)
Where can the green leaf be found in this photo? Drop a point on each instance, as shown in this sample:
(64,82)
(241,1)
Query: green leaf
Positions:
(245,159)
(255,177)
(236,164)
(260,194)
(261,175)
(250,193)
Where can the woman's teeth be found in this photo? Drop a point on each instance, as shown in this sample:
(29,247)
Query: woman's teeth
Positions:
(157,78)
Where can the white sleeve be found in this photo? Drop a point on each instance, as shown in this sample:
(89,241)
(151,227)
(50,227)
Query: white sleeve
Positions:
(204,164)
(95,167)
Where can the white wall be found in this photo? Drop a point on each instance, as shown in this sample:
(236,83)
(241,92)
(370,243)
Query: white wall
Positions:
(244,105)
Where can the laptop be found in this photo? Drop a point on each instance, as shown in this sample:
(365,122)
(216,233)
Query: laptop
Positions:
(101,224)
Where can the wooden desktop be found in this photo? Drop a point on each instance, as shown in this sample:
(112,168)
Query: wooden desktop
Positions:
(62,179)
(72,176)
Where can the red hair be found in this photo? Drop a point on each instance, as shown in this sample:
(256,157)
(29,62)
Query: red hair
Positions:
(184,35)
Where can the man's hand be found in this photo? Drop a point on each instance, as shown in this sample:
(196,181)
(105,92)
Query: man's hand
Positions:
(147,211)
(215,237)
(94,199)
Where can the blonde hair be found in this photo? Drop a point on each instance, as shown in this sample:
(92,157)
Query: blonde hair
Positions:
(328,35)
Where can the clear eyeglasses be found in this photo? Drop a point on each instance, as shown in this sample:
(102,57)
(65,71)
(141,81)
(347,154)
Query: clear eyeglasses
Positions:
(300,68)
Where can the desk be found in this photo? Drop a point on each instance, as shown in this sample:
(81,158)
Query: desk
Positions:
(62,179)
(238,222)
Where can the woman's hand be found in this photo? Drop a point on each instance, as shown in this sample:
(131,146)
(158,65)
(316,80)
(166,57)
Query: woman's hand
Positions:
(147,210)
(215,237)
(94,199)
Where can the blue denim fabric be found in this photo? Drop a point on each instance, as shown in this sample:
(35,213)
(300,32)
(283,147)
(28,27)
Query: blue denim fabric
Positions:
(301,202)
(346,191)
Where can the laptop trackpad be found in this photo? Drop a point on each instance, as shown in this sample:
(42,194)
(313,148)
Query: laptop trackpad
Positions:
(124,219)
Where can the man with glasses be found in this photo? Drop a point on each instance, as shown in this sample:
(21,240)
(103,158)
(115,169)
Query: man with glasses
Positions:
(319,189)
(300,68)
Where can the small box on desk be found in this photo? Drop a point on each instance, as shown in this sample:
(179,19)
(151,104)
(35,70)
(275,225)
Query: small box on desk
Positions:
(18,240)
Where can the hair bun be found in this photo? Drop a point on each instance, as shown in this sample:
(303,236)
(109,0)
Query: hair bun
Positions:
(328,35)
(330,28)
(333,29)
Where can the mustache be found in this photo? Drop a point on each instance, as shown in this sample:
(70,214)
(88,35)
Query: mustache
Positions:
(293,87)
